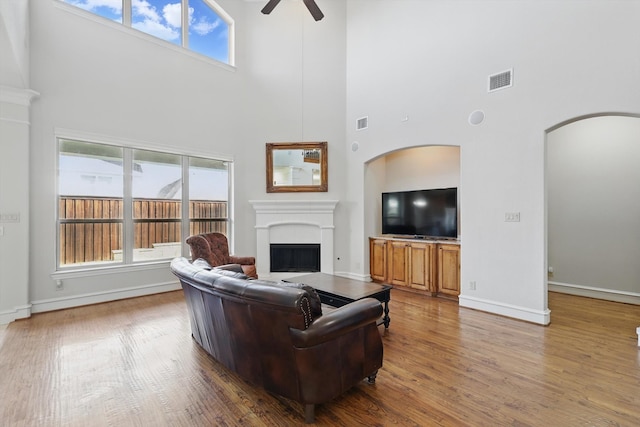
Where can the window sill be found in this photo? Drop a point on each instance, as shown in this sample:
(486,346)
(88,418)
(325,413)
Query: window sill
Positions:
(73,273)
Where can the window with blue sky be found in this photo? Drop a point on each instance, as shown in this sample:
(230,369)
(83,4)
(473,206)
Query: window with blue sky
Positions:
(208,26)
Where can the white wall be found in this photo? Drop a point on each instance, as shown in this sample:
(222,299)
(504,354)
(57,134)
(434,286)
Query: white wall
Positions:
(296,91)
(422,168)
(14,43)
(15,104)
(594,205)
(430,61)
(100,82)
(14,203)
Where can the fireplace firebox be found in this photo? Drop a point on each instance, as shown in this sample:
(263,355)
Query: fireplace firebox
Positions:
(295,257)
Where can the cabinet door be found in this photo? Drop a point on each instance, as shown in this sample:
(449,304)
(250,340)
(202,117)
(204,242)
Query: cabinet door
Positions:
(398,268)
(421,266)
(449,269)
(378,259)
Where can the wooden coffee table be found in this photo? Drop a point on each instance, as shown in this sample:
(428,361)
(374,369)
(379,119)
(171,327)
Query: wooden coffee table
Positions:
(337,291)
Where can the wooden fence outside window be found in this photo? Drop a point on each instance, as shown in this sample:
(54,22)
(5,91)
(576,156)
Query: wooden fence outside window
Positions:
(91,227)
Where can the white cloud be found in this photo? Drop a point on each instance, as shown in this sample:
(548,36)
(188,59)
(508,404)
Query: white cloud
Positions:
(147,19)
(144,8)
(191,10)
(92,5)
(204,27)
(173,14)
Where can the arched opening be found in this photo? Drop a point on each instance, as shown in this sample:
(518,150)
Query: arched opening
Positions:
(593,207)
(414,168)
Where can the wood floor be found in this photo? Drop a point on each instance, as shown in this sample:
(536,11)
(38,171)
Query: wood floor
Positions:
(133,363)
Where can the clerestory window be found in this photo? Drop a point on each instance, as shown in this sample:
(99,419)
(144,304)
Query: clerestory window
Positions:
(121,205)
(198,25)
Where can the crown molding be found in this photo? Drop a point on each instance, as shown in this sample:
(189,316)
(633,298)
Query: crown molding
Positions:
(12,95)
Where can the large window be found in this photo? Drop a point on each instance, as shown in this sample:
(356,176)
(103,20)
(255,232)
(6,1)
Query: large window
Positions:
(198,25)
(120,205)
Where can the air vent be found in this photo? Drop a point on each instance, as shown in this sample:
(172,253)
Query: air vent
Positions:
(501,80)
(362,123)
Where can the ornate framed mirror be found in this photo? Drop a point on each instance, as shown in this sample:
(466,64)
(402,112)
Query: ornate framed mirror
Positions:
(297,167)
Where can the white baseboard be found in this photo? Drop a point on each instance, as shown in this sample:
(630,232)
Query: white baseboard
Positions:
(599,293)
(3,328)
(21,312)
(41,306)
(542,317)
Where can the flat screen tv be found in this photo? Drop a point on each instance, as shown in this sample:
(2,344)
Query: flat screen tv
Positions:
(421,213)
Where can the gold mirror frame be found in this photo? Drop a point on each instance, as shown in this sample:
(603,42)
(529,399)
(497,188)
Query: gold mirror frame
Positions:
(310,149)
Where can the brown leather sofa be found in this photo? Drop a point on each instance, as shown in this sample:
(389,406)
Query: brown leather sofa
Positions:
(214,248)
(275,335)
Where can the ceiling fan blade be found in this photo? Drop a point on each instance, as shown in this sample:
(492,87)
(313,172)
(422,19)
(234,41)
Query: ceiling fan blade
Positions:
(314,9)
(269,6)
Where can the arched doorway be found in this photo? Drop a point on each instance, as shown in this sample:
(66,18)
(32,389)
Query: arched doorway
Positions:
(593,207)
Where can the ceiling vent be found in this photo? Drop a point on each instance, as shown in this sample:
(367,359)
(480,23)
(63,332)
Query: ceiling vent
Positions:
(501,80)
(362,123)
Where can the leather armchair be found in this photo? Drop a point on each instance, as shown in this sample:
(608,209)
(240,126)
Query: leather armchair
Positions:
(214,248)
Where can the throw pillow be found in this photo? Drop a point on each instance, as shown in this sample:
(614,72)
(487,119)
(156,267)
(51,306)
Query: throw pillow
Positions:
(229,273)
(236,268)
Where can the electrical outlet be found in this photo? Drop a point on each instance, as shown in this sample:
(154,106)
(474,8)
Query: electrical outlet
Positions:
(10,217)
(512,217)
(472,285)
(59,285)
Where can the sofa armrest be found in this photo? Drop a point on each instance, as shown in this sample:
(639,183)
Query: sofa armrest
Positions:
(338,322)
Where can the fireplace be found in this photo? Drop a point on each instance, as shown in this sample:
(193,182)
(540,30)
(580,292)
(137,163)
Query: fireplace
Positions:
(294,257)
(294,222)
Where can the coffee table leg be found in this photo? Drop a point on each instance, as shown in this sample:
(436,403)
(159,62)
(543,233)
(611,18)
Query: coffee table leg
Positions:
(386,319)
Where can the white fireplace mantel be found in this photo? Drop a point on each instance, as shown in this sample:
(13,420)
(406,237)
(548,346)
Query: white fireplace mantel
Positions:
(293,221)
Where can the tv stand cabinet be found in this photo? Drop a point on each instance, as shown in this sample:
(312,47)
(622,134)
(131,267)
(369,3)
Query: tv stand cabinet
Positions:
(426,266)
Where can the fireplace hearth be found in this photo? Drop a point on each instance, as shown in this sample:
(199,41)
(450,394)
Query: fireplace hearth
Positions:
(294,257)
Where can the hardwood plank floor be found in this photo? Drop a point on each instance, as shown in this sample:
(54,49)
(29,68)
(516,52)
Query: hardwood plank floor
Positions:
(133,363)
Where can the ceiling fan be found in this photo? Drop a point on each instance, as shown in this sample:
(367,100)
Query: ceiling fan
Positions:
(311,5)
